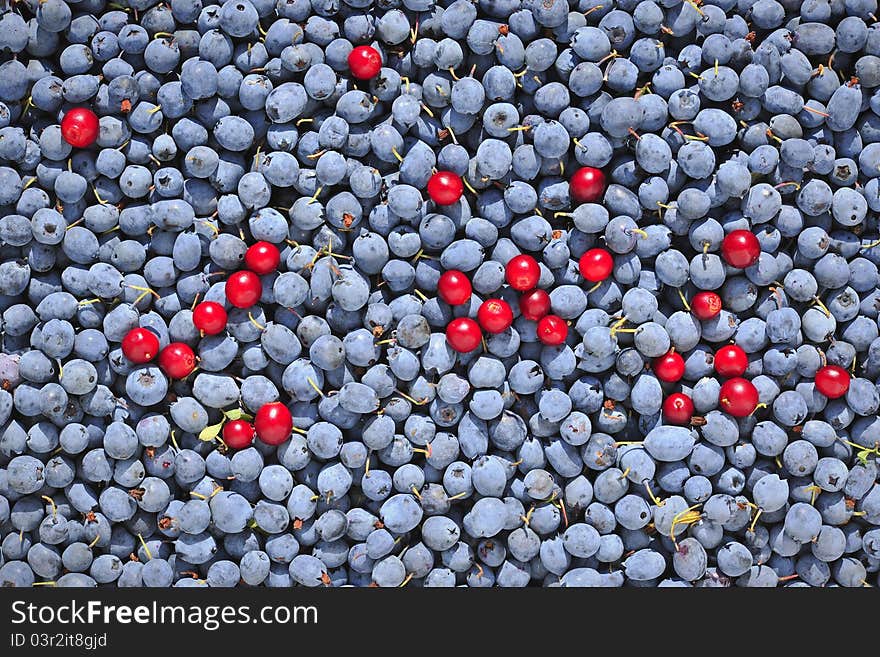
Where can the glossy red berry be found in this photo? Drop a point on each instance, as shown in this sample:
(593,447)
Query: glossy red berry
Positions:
(262,258)
(832,381)
(365,62)
(738,397)
(534,305)
(209,317)
(587,185)
(495,315)
(243,289)
(80,127)
(177,360)
(463,334)
(731,360)
(273,423)
(705,305)
(740,249)
(445,188)
(596,265)
(678,408)
(552,330)
(522,272)
(238,434)
(669,367)
(454,287)
(140,345)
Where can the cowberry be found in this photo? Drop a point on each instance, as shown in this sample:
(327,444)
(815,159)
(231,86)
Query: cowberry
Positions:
(832,381)
(495,315)
(587,185)
(140,345)
(454,287)
(365,62)
(262,258)
(80,127)
(445,188)
(463,334)
(738,397)
(273,423)
(209,317)
(243,289)
(177,360)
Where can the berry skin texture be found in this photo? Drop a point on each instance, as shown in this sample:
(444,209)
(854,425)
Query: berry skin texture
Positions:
(273,423)
(495,315)
(678,408)
(832,381)
(365,62)
(705,305)
(445,188)
(738,397)
(209,317)
(463,334)
(522,272)
(596,265)
(587,185)
(140,345)
(740,249)
(80,127)
(669,367)
(243,289)
(534,305)
(731,360)
(177,360)
(262,258)
(238,434)
(552,330)
(454,287)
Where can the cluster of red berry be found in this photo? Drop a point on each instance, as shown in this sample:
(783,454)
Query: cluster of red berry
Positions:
(737,395)
(141,345)
(495,315)
(273,421)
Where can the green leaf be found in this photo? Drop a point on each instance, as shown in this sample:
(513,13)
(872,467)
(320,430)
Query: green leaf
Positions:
(210,432)
(237,414)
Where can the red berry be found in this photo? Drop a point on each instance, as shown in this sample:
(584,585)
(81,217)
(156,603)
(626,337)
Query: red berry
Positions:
(522,272)
(273,423)
(552,330)
(177,360)
(596,265)
(738,397)
(80,127)
(495,315)
(209,317)
(243,289)
(741,249)
(731,360)
(832,381)
(262,258)
(454,287)
(445,188)
(587,185)
(365,62)
(140,345)
(238,434)
(705,305)
(463,334)
(534,305)
(678,408)
(669,367)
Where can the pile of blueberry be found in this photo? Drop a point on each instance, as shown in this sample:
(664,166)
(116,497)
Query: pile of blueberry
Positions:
(439,293)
